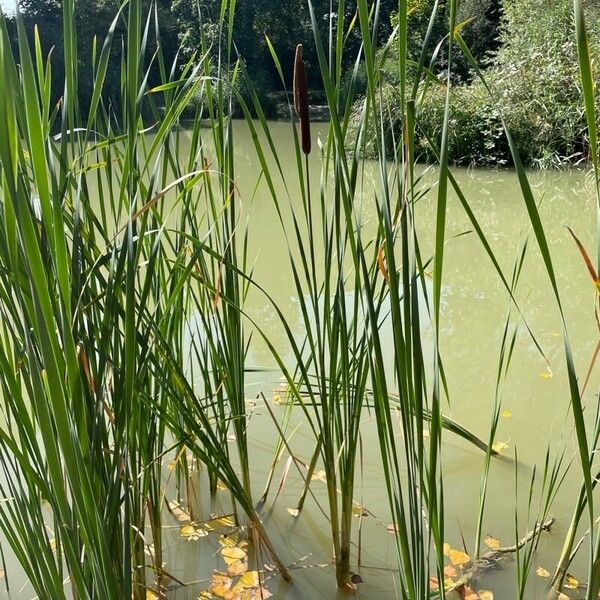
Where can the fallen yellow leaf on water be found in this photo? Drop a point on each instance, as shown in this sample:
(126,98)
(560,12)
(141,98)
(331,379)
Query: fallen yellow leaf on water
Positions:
(492,542)
(233,553)
(150,595)
(225,521)
(179,512)
(506,414)
(447,548)
(571,583)
(449,571)
(191,532)
(229,541)
(392,528)
(458,557)
(237,567)
(434,583)
(541,572)
(546,375)
(359,511)
(498,447)
(448,582)
(486,594)
(293,511)
(249,579)
(562,596)
(319,476)
(220,585)
(469,594)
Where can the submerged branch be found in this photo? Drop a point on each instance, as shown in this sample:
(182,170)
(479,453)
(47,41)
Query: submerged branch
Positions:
(491,559)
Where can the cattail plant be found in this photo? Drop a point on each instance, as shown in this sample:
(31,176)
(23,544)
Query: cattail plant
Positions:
(301,99)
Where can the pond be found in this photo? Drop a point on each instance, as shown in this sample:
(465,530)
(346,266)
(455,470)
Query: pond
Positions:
(475,304)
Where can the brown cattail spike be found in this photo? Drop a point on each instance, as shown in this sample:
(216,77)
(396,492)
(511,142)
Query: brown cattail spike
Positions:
(301,99)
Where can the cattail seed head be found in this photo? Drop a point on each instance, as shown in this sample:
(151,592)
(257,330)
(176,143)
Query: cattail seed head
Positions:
(301,104)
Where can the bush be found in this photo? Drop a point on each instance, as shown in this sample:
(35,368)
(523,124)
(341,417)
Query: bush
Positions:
(535,77)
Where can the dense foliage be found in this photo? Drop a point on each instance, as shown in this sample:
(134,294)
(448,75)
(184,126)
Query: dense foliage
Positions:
(534,77)
(525,47)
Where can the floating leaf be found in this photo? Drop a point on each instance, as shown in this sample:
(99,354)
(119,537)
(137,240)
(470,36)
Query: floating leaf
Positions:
(359,511)
(486,594)
(434,584)
(448,583)
(468,594)
(178,512)
(447,549)
(192,532)
(541,572)
(319,476)
(250,579)
(151,595)
(293,511)
(498,447)
(220,585)
(237,567)
(492,542)
(449,571)
(458,557)
(546,375)
(233,553)
(392,528)
(225,521)
(229,541)
(562,596)
(571,583)
(506,414)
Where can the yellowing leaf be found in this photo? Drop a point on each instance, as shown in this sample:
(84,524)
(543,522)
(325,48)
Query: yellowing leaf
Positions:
(562,596)
(486,594)
(458,558)
(449,571)
(506,414)
(541,572)
(249,579)
(359,511)
(447,548)
(192,532)
(498,447)
(150,595)
(226,521)
(448,582)
(293,511)
(571,583)
(469,594)
(392,528)
(233,553)
(546,375)
(178,512)
(237,567)
(319,476)
(220,585)
(491,542)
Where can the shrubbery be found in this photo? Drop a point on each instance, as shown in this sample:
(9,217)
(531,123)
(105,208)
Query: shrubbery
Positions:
(535,78)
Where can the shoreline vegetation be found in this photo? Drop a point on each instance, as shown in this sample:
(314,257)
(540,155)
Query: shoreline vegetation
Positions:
(125,273)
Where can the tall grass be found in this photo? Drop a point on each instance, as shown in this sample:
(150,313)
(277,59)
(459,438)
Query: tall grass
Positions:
(125,335)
